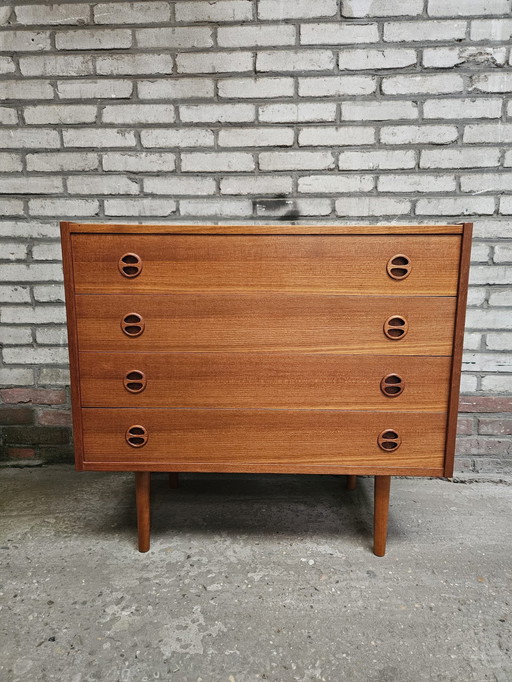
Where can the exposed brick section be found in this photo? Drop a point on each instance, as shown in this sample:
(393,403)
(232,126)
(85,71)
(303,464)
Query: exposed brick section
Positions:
(192,110)
(54,418)
(36,396)
(465,426)
(26,435)
(15,415)
(481,403)
(20,453)
(495,426)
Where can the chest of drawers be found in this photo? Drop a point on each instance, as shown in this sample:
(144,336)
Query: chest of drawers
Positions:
(276,349)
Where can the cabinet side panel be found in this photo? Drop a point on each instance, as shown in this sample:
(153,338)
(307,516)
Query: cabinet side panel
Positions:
(458,341)
(69,288)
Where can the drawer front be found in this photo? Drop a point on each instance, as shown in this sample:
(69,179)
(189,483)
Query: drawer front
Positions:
(338,264)
(273,380)
(279,322)
(267,437)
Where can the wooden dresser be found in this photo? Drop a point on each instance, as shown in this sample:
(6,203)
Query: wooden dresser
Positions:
(281,349)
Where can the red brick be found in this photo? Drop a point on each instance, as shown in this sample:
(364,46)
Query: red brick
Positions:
(485,403)
(16,415)
(21,453)
(465,426)
(37,396)
(54,418)
(463,464)
(482,445)
(495,427)
(487,465)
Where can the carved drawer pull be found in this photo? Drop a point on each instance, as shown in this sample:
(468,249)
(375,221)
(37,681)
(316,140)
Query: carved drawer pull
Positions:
(392,385)
(134,381)
(130,265)
(136,436)
(399,267)
(396,327)
(389,440)
(133,324)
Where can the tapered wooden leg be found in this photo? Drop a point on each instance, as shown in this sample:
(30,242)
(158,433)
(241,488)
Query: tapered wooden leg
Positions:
(351,482)
(380,513)
(174,479)
(142,499)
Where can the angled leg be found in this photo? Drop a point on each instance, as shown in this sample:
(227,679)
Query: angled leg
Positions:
(142,499)
(351,482)
(174,479)
(380,513)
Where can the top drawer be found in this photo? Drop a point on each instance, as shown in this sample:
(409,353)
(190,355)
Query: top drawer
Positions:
(338,264)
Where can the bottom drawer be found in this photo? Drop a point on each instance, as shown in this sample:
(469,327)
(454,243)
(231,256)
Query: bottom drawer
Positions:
(252,440)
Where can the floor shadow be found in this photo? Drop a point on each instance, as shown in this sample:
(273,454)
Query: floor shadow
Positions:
(273,504)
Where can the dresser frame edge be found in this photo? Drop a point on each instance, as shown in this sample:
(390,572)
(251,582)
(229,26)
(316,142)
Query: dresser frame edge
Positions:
(66,229)
(272,229)
(458,342)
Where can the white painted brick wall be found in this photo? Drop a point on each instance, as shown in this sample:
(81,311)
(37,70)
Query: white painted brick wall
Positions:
(201,110)
(213,62)
(336,86)
(298,9)
(222,10)
(372,59)
(256,36)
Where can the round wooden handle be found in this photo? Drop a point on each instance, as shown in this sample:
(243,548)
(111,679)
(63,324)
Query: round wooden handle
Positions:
(399,266)
(130,265)
(396,327)
(136,436)
(134,381)
(389,440)
(392,385)
(133,324)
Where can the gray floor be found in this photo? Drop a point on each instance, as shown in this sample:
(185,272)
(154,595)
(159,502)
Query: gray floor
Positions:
(253,578)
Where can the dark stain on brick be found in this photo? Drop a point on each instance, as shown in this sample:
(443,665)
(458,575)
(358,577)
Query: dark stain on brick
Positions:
(35,435)
(279,207)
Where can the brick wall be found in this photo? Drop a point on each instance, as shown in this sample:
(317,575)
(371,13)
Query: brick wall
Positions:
(349,111)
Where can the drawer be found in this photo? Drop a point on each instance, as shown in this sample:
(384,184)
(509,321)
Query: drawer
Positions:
(264,380)
(265,322)
(338,264)
(266,438)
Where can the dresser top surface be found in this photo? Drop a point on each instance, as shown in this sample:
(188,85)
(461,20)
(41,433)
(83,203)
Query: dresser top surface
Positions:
(119,228)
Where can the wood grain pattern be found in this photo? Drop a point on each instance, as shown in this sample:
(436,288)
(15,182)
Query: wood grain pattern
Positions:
(321,263)
(227,380)
(382,486)
(458,343)
(249,468)
(143,505)
(123,228)
(264,437)
(267,323)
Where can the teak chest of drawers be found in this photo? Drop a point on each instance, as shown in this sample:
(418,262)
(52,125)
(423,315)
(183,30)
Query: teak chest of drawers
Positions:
(277,349)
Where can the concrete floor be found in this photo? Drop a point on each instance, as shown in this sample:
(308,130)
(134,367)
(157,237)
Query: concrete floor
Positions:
(252,578)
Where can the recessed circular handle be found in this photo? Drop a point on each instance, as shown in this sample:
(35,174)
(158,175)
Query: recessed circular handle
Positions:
(392,385)
(134,381)
(396,327)
(130,265)
(133,324)
(389,440)
(136,436)
(399,267)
